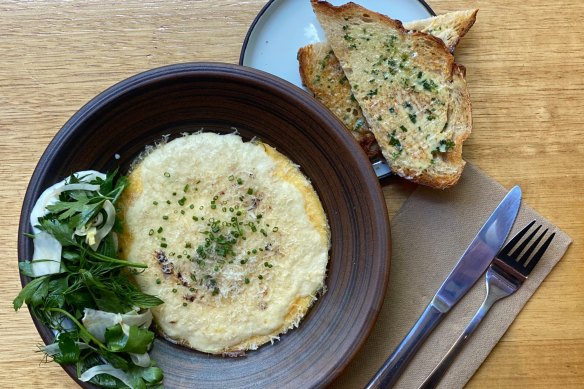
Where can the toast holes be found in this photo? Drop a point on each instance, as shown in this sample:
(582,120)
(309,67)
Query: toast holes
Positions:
(367,18)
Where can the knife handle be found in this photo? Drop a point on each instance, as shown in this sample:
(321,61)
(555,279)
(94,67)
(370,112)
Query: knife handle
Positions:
(391,370)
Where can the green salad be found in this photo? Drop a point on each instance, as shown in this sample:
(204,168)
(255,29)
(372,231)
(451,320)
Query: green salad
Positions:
(80,289)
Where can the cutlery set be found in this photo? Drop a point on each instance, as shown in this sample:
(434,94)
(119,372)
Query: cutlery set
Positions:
(506,270)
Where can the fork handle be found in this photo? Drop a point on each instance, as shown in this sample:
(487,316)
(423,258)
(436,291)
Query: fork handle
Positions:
(436,375)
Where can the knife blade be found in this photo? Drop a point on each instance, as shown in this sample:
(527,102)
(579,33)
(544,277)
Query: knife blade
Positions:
(469,268)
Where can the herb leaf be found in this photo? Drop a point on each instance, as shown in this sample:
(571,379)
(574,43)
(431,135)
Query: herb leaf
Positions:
(69,350)
(37,289)
(143,300)
(61,231)
(136,341)
(26,268)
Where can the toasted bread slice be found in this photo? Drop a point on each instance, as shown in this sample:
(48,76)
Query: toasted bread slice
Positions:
(408,86)
(323,75)
(449,27)
(447,166)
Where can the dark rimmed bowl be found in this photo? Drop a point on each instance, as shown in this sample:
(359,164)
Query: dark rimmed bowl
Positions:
(114,127)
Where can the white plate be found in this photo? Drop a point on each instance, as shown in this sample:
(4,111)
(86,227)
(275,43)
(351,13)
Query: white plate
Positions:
(283,26)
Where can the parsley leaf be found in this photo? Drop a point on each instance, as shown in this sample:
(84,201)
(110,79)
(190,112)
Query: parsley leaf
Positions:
(68,348)
(61,231)
(136,341)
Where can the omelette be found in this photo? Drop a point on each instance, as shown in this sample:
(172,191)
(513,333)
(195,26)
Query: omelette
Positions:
(235,238)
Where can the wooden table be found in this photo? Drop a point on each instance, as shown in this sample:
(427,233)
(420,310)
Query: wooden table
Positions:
(525,64)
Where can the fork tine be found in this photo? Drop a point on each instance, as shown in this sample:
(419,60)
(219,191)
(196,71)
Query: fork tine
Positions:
(539,253)
(505,251)
(525,257)
(517,252)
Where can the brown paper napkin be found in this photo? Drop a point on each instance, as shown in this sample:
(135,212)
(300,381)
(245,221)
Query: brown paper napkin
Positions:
(429,234)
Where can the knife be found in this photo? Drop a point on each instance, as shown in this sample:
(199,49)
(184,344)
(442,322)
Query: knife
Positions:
(467,271)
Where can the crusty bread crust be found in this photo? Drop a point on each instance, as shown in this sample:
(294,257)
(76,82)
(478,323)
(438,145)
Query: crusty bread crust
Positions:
(449,27)
(322,74)
(408,155)
(442,60)
(460,123)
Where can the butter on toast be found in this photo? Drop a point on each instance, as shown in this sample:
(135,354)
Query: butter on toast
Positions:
(323,75)
(409,88)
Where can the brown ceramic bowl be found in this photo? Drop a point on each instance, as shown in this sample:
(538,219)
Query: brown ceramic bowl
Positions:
(114,127)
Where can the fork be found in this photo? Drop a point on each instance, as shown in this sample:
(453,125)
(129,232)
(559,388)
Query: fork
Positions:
(504,276)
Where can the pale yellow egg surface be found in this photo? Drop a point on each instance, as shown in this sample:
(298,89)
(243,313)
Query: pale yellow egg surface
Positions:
(234,236)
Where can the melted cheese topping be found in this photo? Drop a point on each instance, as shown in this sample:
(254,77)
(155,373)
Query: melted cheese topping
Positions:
(235,238)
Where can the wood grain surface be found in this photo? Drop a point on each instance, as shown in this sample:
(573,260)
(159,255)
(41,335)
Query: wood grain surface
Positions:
(524,62)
